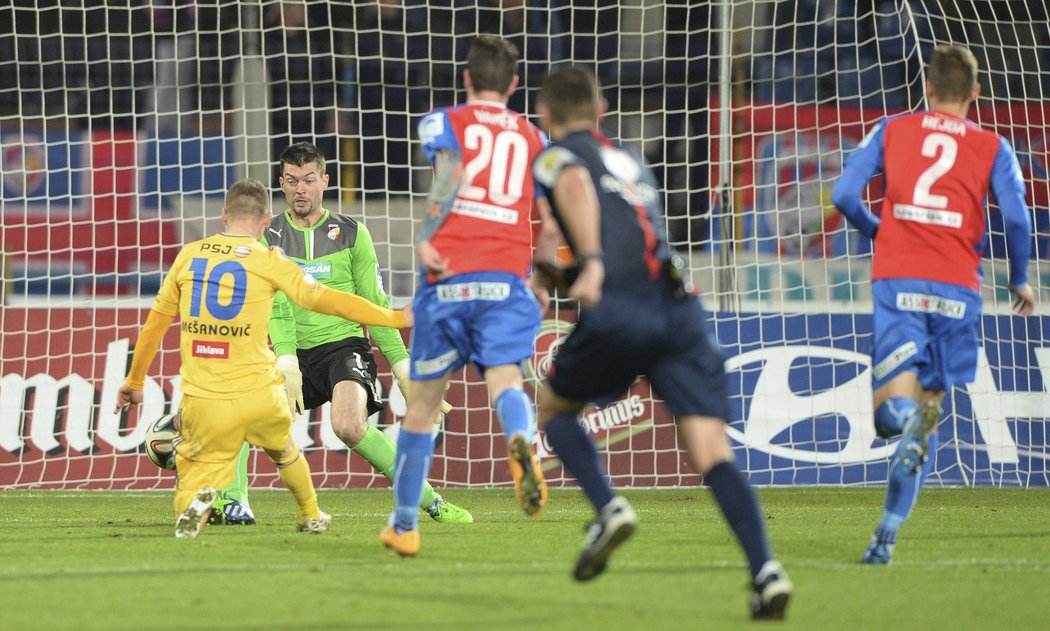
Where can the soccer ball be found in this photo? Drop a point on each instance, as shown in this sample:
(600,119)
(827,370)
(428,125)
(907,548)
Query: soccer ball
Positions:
(159,437)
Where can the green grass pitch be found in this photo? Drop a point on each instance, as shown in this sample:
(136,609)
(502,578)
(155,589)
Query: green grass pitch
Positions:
(967,559)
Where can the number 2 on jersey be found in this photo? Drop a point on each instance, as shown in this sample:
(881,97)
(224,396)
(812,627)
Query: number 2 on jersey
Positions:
(944,163)
(506,155)
(208,284)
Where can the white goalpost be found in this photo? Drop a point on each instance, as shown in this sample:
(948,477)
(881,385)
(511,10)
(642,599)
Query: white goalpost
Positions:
(121,128)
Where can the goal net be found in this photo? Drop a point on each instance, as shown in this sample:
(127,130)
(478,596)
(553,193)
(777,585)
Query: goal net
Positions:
(816,77)
(122,128)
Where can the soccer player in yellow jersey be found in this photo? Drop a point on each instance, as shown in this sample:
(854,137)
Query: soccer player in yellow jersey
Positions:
(222,289)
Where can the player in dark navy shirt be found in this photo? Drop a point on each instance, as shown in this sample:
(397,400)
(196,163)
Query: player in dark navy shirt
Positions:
(636,318)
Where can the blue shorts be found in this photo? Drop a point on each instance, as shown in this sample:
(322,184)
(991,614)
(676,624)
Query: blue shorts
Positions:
(643,331)
(926,327)
(486,318)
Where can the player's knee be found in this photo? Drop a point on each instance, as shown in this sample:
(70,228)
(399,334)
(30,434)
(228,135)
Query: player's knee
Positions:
(705,441)
(350,429)
(892,415)
(499,379)
(714,448)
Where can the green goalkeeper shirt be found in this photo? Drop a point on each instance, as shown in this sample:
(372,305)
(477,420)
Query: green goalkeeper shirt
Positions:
(337,251)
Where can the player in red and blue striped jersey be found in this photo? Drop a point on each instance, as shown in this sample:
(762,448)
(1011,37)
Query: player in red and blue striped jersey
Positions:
(938,168)
(473,304)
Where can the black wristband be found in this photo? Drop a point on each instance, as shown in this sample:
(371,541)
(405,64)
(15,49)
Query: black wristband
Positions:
(583,258)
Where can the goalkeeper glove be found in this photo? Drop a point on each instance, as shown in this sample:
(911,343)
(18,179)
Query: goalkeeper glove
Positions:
(400,370)
(401,375)
(293,382)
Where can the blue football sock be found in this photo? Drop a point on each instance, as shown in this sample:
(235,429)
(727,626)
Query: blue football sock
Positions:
(902,491)
(414,453)
(893,415)
(885,535)
(740,508)
(577,452)
(515,412)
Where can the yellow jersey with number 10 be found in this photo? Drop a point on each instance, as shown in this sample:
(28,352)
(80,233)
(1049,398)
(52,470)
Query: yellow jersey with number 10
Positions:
(222,288)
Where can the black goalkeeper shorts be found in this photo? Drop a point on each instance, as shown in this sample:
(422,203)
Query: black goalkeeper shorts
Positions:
(326,365)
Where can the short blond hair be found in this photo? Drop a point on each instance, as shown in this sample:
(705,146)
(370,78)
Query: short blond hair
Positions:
(953,73)
(247,198)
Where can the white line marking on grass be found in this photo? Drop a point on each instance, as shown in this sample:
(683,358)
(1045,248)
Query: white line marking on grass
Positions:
(145,493)
(1035,565)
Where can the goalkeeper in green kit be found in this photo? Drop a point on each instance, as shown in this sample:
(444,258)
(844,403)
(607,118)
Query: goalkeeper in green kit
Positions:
(326,358)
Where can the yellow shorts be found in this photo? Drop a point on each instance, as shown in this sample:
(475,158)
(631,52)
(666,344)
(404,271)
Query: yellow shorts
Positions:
(213,430)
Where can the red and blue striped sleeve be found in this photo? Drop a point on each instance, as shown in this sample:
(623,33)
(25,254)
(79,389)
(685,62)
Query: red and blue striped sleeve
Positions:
(436,133)
(863,164)
(1008,186)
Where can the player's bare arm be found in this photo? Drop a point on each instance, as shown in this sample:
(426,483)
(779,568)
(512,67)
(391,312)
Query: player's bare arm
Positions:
(574,190)
(549,237)
(448,173)
(545,254)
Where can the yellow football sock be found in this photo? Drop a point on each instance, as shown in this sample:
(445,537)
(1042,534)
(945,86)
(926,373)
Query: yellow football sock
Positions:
(183,498)
(295,472)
